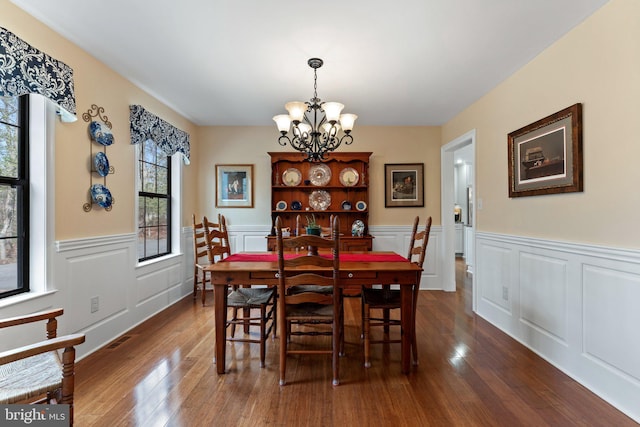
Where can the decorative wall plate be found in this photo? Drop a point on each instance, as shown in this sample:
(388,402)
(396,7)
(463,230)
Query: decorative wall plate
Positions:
(100,133)
(281,205)
(291,177)
(101,195)
(361,206)
(346,205)
(349,177)
(319,200)
(296,205)
(320,174)
(357,228)
(101,163)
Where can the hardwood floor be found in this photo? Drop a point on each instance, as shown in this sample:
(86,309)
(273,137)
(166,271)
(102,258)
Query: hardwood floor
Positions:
(470,374)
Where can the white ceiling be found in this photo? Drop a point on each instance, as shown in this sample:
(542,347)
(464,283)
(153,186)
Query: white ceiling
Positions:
(236,62)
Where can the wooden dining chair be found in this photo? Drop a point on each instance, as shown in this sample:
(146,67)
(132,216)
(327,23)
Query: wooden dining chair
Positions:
(38,373)
(305,304)
(387,299)
(245,300)
(200,255)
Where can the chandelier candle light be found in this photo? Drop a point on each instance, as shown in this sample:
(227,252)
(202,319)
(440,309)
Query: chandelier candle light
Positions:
(316,124)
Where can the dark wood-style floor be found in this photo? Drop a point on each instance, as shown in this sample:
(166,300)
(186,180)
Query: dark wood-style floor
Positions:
(470,374)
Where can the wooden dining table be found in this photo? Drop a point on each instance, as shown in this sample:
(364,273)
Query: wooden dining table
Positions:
(356,269)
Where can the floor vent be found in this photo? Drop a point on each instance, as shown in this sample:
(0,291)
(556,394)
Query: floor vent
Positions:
(119,341)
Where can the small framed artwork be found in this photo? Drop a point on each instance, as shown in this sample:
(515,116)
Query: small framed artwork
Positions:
(545,157)
(404,185)
(234,186)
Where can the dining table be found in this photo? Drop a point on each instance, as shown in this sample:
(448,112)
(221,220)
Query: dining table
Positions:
(357,269)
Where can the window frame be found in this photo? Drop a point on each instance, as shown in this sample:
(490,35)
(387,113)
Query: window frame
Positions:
(169,197)
(22,185)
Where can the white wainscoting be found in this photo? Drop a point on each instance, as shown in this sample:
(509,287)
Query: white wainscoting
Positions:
(106,268)
(575,305)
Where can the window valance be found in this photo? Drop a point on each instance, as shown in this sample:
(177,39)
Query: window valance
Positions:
(146,125)
(24,69)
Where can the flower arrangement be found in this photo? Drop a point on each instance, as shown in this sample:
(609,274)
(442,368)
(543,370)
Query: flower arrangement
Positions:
(312,225)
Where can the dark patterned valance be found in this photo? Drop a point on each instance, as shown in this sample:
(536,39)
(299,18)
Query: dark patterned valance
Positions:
(24,69)
(146,125)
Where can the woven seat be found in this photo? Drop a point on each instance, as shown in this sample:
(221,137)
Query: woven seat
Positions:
(387,299)
(36,373)
(30,377)
(243,300)
(242,297)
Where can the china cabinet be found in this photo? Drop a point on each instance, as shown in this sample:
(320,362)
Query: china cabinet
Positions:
(303,191)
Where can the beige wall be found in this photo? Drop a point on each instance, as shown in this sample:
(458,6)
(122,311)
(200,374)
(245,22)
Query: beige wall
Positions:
(597,65)
(249,145)
(94,84)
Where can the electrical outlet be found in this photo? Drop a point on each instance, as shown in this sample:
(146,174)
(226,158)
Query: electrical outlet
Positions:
(505,293)
(95,304)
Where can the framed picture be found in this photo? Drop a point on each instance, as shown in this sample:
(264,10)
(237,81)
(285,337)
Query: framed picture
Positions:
(234,186)
(404,185)
(545,157)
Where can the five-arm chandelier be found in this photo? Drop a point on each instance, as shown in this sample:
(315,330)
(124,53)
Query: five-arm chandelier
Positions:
(316,124)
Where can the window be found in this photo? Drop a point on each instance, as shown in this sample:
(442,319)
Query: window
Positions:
(14,195)
(154,201)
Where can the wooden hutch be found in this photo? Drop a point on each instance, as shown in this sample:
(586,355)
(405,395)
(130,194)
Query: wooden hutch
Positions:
(338,186)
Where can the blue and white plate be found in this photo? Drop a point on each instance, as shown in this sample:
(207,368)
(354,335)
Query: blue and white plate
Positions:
(357,229)
(100,133)
(361,206)
(101,164)
(281,205)
(101,195)
(346,205)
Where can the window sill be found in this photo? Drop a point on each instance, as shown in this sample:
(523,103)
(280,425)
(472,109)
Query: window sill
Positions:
(158,260)
(24,297)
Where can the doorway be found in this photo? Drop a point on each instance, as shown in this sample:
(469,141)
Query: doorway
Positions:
(448,202)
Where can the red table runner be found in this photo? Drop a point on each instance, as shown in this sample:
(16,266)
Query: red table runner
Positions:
(272,257)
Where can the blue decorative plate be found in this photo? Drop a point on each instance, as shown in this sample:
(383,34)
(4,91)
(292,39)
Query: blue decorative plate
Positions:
(100,133)
(101,195)
(101,164)
(361,206)
(296,205)
(357,229)
(281,205)
(346,205)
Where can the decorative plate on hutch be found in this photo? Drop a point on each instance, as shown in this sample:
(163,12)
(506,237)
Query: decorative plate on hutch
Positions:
(349,177)
(361,206)
(291,177)
(319,200)
(320,175)
(281,205)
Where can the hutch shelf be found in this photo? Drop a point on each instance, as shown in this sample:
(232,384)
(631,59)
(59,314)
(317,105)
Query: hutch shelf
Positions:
(338,186)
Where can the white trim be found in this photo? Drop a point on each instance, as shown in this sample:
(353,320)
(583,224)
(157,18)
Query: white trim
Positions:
(446,206)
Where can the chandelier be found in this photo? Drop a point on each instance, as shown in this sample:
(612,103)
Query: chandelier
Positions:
(316,124)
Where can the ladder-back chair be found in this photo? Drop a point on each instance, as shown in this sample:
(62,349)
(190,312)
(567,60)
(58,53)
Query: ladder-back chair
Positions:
(387,299)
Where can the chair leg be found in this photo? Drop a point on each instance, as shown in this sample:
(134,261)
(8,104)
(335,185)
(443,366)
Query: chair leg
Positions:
(263,332)
(204,287)
(283,343)
(366,327)
(195,281)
